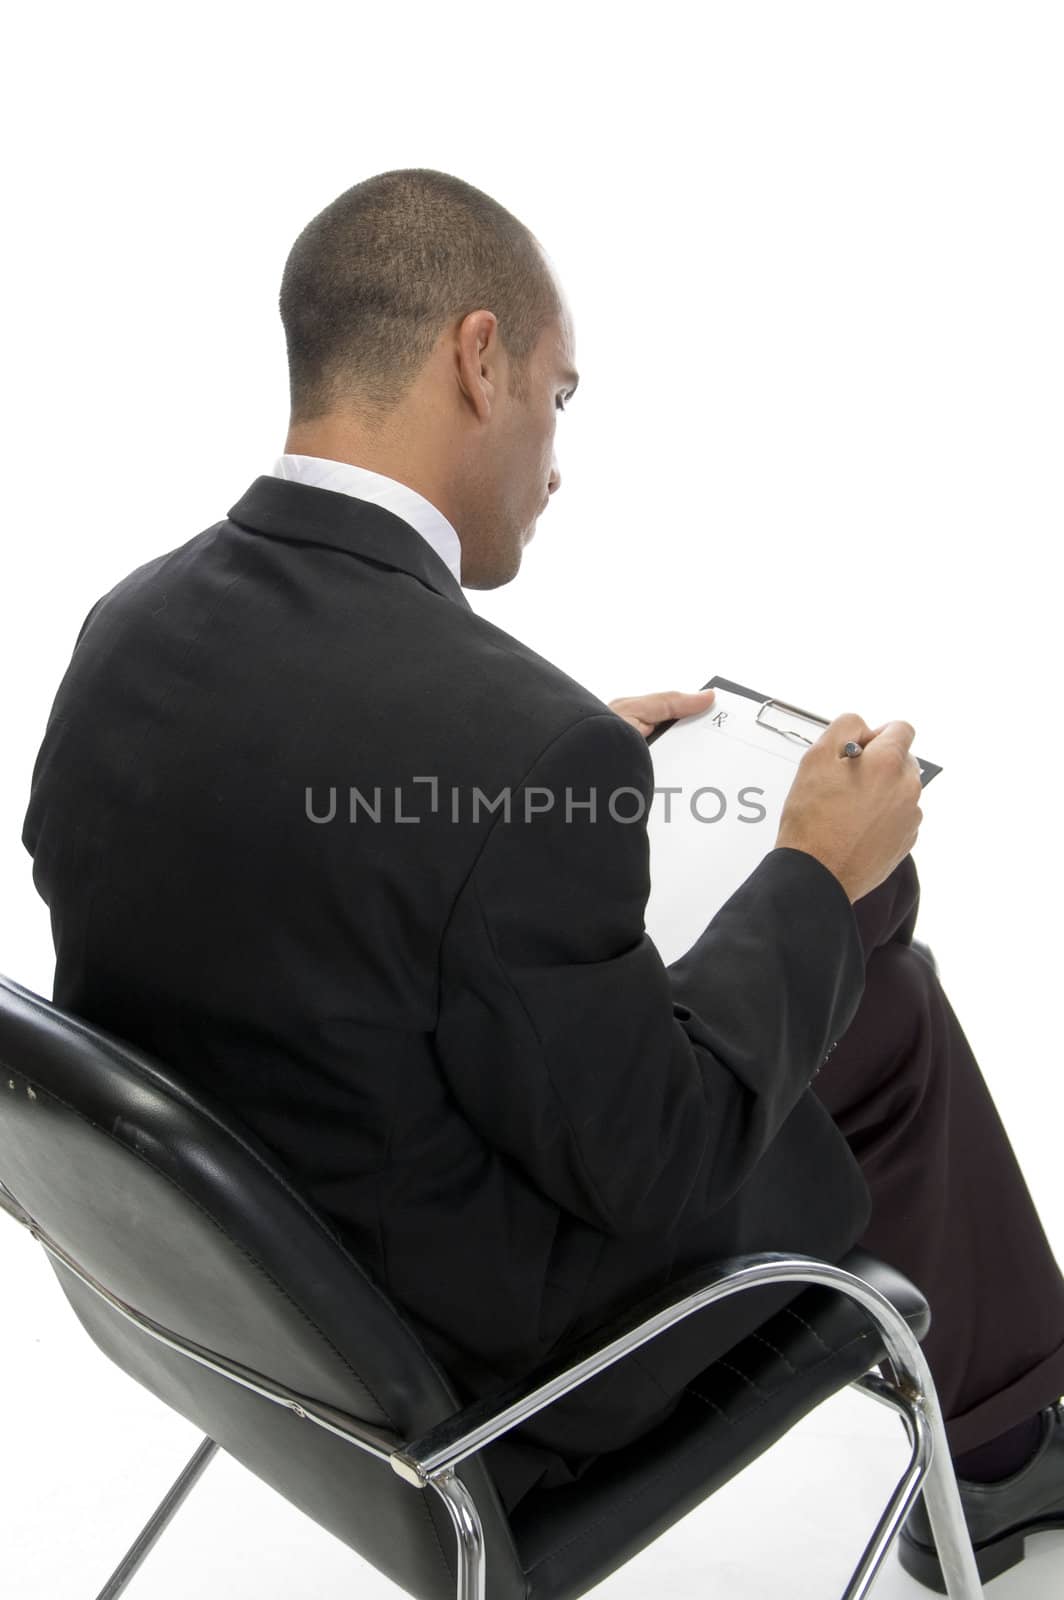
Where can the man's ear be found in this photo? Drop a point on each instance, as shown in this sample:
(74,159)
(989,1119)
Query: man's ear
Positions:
(478,355)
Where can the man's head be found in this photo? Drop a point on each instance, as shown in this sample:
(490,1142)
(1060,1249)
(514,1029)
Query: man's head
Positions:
(429,339)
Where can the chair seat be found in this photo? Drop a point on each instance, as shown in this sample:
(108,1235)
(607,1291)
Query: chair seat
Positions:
(572,1537)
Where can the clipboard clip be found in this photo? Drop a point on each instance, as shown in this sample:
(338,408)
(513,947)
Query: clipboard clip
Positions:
(795,711)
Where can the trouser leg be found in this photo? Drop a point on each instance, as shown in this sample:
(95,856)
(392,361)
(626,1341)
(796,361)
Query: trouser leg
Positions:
(950,1207)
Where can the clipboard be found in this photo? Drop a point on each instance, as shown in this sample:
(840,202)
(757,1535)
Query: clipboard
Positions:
(720,782)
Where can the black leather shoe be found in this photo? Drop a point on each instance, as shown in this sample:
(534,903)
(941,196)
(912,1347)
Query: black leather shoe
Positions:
(1001,1516)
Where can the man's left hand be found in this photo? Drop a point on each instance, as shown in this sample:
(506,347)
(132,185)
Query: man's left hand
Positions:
(645,711)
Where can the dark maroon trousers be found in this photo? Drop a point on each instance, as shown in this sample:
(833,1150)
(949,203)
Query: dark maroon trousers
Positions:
(950,1207)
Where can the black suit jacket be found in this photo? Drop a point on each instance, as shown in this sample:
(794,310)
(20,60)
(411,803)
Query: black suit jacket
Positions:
(452,1031)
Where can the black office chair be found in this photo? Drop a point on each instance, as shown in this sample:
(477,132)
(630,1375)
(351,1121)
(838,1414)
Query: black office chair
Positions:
(192,1262)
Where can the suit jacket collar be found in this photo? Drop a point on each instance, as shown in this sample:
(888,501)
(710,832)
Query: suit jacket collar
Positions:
(283,509)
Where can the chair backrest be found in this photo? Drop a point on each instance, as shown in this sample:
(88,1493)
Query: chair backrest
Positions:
(170,1205)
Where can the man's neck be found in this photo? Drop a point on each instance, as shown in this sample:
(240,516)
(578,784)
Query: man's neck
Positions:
(376,451)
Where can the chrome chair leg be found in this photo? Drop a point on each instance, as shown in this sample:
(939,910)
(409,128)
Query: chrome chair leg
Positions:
(914,1397)
(908,1486)
(469,1532)
(158,1520)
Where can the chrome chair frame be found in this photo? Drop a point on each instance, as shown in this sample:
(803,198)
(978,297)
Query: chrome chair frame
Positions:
(429,1462)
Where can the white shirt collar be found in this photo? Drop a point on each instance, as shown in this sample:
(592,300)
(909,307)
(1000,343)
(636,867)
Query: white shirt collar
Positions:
(396,497)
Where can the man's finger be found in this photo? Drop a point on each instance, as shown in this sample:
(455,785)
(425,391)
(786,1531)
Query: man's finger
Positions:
(900,733)
(665,705)
(845,727)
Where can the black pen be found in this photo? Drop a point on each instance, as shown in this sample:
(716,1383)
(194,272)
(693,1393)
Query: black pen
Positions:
(851,748)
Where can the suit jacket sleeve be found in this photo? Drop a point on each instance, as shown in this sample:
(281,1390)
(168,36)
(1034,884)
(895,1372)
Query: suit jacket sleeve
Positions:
(633,1094)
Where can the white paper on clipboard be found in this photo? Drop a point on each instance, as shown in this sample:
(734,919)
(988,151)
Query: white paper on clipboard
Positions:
(720,780)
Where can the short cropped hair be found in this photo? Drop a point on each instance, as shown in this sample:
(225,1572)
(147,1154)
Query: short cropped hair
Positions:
(372,281)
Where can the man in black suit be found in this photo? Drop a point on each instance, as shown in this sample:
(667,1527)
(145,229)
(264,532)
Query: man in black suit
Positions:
(373,872)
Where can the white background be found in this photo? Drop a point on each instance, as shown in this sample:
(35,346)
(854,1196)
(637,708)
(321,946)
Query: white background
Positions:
(814,254)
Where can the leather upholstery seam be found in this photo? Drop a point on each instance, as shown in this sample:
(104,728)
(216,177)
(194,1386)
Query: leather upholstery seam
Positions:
(674,1461)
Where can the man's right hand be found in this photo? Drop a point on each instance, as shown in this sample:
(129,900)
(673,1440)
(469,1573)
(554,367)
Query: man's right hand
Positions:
(858,815)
